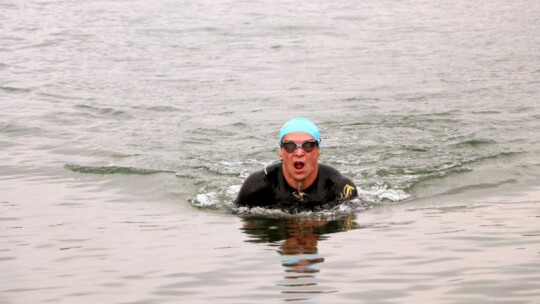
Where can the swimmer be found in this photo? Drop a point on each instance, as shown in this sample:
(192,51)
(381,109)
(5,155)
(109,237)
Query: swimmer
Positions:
(299,182)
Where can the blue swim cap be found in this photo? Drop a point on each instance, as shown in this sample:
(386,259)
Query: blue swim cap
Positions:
(300,124)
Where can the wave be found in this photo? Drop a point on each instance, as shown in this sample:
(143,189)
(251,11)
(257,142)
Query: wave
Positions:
(16,129)
(15,90)
(103,111)
(378,194)
(113,170)
(345,209)
(478,186)
(163,109)
(475,143)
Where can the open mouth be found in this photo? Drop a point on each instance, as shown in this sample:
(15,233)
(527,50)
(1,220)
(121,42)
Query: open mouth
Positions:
(299,165)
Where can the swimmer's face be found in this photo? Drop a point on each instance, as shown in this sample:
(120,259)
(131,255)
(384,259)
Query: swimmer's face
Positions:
(300,168)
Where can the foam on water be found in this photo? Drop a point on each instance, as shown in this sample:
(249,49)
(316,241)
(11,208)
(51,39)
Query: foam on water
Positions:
(345,209)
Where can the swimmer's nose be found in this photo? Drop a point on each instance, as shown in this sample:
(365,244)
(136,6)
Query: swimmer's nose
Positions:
(299,152)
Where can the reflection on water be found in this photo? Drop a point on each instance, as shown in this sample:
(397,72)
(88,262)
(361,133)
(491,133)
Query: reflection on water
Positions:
(297,241)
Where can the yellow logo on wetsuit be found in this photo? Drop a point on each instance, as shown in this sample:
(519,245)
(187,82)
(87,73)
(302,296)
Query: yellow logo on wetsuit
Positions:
(347,192)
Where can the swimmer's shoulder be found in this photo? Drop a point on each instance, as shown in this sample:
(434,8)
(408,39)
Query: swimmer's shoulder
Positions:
(271,170)
(344,187)
(262,176)
(333,176)
(257,188)
(330,172)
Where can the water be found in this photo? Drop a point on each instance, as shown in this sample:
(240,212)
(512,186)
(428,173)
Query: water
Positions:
(127,128)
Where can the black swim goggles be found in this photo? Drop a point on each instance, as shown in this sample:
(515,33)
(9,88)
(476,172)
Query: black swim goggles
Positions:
(307,146)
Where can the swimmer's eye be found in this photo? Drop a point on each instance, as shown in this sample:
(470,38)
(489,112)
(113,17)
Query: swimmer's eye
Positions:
(307,146)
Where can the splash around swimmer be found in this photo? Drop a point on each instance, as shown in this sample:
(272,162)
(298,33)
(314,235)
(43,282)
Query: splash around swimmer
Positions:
(299,182)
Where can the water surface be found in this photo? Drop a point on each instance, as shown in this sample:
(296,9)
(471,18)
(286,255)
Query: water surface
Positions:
(127,128)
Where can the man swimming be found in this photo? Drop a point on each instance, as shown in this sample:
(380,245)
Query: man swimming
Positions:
(299,182)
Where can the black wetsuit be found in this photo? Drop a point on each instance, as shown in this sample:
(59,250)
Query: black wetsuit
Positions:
(268,188)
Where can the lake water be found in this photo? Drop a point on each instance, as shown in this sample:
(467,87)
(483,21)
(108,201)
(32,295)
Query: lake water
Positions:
(128,126)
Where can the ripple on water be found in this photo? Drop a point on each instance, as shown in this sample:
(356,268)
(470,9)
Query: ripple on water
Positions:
(113,170)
